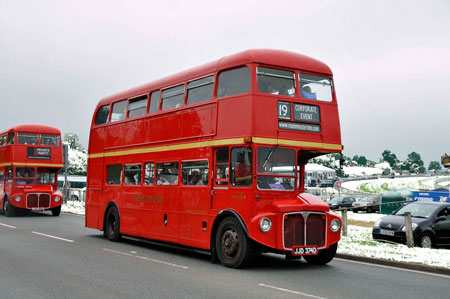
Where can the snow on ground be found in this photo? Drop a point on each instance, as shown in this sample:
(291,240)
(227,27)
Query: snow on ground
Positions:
(385,184)
(361,170)
(73,207)
(358,242)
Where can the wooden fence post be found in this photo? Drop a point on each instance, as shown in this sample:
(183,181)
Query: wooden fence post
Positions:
(409,233)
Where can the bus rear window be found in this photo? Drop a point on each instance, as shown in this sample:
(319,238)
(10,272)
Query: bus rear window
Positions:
(316,87)
(50,140)
(26,138)
(102,115)
(274,81)
(233,82)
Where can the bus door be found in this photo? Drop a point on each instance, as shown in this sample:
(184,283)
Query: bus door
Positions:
(221,178)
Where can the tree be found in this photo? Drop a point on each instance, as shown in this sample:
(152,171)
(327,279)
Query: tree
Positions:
(73,141)
(415,163)
(391,158)
(77,155)
(434,165)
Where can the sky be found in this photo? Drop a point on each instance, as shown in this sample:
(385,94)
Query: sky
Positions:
(390,59)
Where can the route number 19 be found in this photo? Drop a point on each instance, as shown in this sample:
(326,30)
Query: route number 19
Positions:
(284,110)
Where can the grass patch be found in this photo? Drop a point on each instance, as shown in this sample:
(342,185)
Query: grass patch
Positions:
(360,223)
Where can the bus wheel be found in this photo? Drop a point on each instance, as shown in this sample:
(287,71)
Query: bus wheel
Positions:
(234,249)
(8,209)
(112,224)
(56,211)
(324,257)
(73,197)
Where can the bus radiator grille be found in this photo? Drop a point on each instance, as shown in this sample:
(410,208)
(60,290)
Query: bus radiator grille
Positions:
(38,200)
(297,234)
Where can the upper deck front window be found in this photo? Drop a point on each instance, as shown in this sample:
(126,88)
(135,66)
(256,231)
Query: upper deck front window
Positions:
(102,115)
(11,138)
(50,140)
(275,81)
(276,169)
(26,138)
(233,82)
(315,87)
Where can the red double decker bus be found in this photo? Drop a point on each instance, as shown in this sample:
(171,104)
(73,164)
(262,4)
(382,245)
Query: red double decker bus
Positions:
(214,157)
(30,157)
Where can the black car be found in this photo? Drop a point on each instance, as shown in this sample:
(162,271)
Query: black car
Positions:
(430,223)
(341,202)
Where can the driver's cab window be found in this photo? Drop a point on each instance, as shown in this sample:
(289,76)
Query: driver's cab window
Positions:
(241,166)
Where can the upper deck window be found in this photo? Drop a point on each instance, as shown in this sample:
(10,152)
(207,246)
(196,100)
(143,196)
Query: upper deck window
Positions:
(274,81)
(200,90)
(102,115)
(11,138)
(234,82)
(27,138)
(316,87)
(3,140)
(154,101)
(137,106)
(119,110)
(172,97)
(50,140)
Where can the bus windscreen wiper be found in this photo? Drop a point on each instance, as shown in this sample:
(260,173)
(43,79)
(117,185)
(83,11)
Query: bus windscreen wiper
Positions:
(269,155)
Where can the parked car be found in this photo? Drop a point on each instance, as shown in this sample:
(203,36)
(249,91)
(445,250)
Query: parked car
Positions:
(368,204)
(430,224)
(341,202)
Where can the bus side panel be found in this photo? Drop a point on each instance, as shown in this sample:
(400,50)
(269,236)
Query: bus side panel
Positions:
(194,205)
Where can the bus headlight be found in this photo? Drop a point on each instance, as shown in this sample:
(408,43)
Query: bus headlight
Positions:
(57,198)
(265,225)
(335,225)
(18,198)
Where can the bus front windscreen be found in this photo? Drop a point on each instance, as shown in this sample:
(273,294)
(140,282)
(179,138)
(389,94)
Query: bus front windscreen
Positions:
(276,169)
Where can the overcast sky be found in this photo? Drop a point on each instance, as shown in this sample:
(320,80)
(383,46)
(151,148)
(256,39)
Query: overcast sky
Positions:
(390,59)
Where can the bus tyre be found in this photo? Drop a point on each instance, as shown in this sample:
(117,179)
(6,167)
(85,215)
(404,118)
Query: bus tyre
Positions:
(112,224)
(8,209)
(234,249)
(324,257)
(56,211)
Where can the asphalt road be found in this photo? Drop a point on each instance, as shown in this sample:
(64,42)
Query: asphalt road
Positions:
(57,257)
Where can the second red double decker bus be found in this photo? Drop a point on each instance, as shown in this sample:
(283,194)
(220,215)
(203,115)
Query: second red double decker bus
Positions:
(214,158)
(30,157)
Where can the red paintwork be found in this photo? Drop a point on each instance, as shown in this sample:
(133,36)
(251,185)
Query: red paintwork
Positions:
(16,155)
(191,211)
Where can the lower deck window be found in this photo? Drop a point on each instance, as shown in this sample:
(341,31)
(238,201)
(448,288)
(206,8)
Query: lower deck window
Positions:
(114,174)
(167,173)
(195,173)
(132,174)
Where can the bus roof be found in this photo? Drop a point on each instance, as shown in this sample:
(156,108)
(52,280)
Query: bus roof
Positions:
(264,56)
(34,128)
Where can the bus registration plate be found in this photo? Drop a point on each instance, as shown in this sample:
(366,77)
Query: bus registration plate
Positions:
(305,250)
(37,209)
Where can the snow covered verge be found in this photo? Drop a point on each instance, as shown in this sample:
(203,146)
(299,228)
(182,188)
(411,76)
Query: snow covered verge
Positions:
(358,242)
(73,207)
